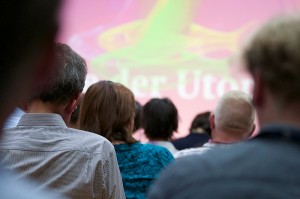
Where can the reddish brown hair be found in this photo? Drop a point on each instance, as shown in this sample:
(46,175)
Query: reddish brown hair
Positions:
(107,109)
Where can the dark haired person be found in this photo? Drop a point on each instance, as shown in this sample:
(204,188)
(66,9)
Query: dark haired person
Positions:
(138,116)
(28,31)
(199,133)
(265,166)
(108,109)
(74,120)
(160,121)
(71,162)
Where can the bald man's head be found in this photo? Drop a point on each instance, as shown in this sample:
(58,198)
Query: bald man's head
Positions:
(234,116)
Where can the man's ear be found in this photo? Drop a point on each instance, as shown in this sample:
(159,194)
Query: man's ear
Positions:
(72,105)
(212,121)
(252,131)
(258,90)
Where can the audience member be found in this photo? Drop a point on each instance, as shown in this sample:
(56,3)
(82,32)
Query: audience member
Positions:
(74,120)
(138,116)
(138,131)
(160,121)
(25,49)
(199,133)
(265,166)
(108,109)
(71,162)
(231,122)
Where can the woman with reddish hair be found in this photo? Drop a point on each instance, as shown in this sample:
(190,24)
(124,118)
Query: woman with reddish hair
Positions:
(108,109)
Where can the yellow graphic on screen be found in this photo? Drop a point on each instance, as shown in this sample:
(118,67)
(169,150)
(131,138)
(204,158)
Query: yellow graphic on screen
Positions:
(167,39)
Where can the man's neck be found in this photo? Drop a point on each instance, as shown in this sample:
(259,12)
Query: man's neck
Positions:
(286,115)
(226,140)
(38,106)
(226,137)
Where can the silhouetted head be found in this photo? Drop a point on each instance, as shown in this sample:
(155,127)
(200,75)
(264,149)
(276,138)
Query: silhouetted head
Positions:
(160,119)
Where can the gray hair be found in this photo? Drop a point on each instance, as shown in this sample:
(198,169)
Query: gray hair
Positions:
(235,112)
(69,79)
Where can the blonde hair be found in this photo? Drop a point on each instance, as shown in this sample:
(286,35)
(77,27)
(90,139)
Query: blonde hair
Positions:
(273,52)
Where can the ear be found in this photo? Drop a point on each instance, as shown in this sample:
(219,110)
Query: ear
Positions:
(258,90)
(252,131)
(72,105)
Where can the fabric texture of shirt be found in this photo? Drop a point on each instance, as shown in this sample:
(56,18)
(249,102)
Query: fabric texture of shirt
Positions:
(139,165)
(200,150)
(166,144)
(70,162)
(13,118)
(13,188)
(266,166)
(192,140)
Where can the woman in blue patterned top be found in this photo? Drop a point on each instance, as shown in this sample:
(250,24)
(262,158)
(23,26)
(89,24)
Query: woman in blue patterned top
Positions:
(108,109)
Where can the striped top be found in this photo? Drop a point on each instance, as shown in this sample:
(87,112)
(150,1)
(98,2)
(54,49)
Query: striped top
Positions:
(71,162)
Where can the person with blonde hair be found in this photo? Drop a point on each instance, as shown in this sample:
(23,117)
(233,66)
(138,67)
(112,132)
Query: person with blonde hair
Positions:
(108,109)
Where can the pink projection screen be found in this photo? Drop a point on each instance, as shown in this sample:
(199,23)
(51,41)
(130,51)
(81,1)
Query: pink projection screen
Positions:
(186,50)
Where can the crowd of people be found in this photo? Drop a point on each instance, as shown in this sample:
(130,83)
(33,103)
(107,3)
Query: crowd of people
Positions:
(67,144)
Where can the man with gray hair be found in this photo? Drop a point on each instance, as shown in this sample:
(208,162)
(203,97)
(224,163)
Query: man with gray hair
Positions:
(231,122)
(266,166)
(70,162)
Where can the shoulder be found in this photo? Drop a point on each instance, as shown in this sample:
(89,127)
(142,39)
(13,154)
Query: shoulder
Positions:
(158,151)
(90,142)
(155,148)
(232,165)
(191,151)
(55,138)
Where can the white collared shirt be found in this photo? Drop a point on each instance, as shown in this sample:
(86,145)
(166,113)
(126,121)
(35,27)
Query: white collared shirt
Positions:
(71,162)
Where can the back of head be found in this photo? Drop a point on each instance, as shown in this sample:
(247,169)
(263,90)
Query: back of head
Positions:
(273,52)
(69,79)
(234,114)
(28,30)
(138,116)
(160,119)
(201,121)
(108,110)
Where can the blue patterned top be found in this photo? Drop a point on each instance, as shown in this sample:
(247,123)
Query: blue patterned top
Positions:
(139,165)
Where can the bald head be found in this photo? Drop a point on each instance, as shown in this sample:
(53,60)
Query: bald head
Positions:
(234,116)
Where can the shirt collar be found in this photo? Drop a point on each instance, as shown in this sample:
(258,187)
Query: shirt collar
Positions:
(41,119)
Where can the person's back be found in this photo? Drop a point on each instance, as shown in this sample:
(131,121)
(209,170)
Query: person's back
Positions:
(74,163)
(108,109)
(199,133)
(68,161)
(267,165)
(140,165)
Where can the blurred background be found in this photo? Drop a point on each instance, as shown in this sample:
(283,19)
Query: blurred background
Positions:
(187,50)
